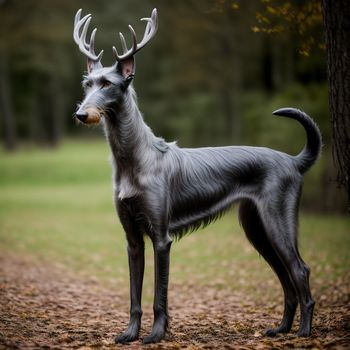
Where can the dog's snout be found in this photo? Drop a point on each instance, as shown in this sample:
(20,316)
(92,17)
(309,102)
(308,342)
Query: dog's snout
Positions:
(82,116)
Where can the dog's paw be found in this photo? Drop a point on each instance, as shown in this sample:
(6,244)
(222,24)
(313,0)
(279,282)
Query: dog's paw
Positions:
(126,337)
(273,332)
(304,333)
(158,331)
(153,338)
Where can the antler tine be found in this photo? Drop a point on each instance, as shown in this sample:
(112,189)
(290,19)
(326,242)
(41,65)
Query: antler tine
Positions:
(92,41)
(80,38)
(84,32)
(148,26)
(77,17)
(126,53)
(154,17)
(77,26)
(150,31)
(115,51)
(122,39)
(152,25)
(134,40)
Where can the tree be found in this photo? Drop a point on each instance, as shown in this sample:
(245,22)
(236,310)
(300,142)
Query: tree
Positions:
(31,49)
(9,128)
(304,18)
(337,29)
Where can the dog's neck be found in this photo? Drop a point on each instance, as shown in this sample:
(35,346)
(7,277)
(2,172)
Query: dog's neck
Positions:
(128,135)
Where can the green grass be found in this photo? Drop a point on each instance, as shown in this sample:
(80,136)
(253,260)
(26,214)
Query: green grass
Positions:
(56,206)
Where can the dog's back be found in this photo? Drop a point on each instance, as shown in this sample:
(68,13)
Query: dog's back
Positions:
(205,182)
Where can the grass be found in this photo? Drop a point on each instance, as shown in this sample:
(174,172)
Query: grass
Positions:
(57,206)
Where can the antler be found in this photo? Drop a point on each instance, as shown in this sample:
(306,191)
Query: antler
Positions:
(150,32)
(80,38)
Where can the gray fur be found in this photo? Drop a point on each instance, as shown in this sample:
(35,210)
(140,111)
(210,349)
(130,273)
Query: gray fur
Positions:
(164,191)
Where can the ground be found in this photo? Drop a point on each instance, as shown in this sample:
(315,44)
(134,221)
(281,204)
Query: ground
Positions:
(64,272)
(47,307)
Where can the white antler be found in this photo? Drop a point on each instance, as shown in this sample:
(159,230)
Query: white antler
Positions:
(88,49)
(150,32)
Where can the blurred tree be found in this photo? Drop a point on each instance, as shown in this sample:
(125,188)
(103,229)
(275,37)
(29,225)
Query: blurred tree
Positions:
(207,79)
(214,53)
(39,60)
(34,45)
(301,23)
(9,126)
(303,18)
(337,28)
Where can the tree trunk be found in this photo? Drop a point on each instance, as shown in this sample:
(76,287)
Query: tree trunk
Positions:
(337,29)
(9,127)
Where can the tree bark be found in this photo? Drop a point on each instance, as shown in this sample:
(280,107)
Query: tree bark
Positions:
(9,126)
(337,31)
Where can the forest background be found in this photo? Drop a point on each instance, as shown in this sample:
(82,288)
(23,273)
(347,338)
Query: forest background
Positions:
(212,76)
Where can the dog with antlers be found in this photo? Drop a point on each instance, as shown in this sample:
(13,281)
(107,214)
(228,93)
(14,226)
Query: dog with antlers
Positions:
(164,191)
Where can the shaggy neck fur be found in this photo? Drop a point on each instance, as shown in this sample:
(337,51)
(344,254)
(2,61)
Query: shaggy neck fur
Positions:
(127,133)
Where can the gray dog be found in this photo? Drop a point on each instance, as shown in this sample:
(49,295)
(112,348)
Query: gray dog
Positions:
(165,191)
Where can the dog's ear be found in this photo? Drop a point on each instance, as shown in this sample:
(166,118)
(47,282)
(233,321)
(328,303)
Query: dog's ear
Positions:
(126,69)
(91,65)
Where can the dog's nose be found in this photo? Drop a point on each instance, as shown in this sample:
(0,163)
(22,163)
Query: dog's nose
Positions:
(82,116)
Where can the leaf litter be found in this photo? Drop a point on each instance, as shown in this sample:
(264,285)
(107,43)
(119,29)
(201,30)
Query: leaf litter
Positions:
(44,306)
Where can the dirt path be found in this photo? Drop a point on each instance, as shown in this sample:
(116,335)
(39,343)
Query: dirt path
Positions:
(43,307)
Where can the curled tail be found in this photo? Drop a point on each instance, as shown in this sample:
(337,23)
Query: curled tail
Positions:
(308,156)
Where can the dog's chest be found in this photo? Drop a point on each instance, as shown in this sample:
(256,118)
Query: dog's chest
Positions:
(136,180)
(126,188)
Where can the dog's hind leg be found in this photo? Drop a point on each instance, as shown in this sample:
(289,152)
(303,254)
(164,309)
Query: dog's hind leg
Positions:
(256,234)
(280,221)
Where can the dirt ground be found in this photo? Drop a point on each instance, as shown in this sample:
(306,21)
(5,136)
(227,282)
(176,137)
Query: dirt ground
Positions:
(45,307)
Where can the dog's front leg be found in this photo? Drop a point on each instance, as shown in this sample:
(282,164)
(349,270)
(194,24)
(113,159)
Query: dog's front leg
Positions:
(136,270)
(136,258)
(161,248)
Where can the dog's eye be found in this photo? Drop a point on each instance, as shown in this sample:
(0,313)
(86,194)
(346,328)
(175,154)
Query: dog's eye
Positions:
(88,84)
(106,83)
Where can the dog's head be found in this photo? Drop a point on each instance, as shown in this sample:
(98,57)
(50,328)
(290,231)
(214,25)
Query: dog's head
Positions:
(104,87)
